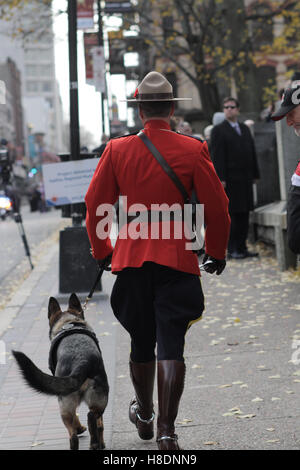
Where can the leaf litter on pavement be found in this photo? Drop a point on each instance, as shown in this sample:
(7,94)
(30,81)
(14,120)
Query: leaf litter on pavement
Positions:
(257,299)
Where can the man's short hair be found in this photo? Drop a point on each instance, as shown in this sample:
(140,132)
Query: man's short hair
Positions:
(230,98)
(156,108)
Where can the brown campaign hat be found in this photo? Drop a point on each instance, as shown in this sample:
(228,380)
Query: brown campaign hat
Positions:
(154,87)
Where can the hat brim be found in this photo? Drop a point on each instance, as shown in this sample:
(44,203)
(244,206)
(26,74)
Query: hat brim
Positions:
(282,112)
(153,100)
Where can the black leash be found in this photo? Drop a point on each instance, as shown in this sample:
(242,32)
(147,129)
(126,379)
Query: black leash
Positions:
(99,275)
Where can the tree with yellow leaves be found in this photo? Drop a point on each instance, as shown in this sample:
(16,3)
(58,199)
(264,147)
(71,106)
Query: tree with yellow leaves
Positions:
(218,44)
(26,19)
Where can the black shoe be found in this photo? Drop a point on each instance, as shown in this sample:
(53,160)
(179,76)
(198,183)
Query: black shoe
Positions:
(250,254)
(236,255)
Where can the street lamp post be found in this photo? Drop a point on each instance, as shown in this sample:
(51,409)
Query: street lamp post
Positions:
(101,44)
(77,268)
(74,115)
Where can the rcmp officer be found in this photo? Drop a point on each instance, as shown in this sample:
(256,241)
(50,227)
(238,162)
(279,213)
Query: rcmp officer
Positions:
(157,294)
(291,109)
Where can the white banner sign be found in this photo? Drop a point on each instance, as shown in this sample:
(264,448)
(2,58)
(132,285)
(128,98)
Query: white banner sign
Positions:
(99,68)
(85,14)
(68,182)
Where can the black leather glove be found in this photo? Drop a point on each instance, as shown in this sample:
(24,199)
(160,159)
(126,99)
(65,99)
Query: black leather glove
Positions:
(104,263)
(214,265)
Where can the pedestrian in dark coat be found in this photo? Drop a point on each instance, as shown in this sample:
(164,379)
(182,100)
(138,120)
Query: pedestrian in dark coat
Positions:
(234,157)
(291,109)
(293,214)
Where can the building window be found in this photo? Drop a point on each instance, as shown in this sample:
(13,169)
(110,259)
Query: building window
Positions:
(32,86)
(31,70)
(45,70)
(46,86)
(38,55)
(50,101)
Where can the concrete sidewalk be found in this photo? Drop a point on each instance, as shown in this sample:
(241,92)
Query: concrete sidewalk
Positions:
(243,364)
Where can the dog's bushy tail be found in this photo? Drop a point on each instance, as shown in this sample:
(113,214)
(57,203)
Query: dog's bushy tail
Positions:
(46,383)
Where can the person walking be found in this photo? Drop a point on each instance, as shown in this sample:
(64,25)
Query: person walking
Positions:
(291,110)
(234,157)
(157,294)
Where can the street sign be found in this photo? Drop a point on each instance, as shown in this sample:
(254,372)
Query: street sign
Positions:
(90,40)
(85,14)
(123,6)
(68,182)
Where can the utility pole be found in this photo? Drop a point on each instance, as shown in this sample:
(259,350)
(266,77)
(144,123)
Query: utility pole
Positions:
(74,115)
(74,242)
(101,44)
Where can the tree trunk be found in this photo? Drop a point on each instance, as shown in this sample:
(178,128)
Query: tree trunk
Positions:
(244,75)
(210,99)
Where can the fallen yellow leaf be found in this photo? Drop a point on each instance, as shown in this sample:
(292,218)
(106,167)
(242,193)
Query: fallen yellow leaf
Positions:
(246,416)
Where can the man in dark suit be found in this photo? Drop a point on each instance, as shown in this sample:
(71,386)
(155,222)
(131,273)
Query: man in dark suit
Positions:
(234,157)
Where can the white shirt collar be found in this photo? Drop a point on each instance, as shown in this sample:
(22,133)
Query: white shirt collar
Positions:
(234,124)
(295,180)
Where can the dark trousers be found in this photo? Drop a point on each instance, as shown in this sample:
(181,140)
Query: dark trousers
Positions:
(157,305)
(238,232)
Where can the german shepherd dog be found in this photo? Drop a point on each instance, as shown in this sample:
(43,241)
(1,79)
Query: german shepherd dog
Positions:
(78,371)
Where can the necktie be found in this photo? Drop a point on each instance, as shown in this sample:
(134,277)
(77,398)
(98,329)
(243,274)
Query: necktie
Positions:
(237,128)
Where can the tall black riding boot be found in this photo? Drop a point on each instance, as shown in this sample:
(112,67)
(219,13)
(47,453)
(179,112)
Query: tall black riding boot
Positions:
(141,407)
(170,382)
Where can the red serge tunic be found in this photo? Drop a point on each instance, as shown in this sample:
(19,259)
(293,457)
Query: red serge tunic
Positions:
(128,168)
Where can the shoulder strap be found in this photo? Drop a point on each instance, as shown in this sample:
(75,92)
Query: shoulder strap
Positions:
(166,167)
(192,137)
(125,135)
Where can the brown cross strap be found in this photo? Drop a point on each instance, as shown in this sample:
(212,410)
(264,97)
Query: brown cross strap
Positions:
(166,167)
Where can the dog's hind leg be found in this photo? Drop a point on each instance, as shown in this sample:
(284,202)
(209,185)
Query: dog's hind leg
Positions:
(79,427)
(100,431)
(95,424)
(68,420)
(68,415)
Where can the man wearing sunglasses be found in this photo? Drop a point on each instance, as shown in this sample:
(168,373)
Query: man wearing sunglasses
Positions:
(234,157)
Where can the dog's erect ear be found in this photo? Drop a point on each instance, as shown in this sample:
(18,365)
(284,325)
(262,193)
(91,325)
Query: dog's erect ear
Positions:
(53,307)
(74,304)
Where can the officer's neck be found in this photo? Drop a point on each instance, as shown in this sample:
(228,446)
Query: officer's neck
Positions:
(165,119)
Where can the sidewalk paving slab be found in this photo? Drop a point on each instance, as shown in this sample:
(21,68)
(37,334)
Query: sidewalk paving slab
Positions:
(242,386)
